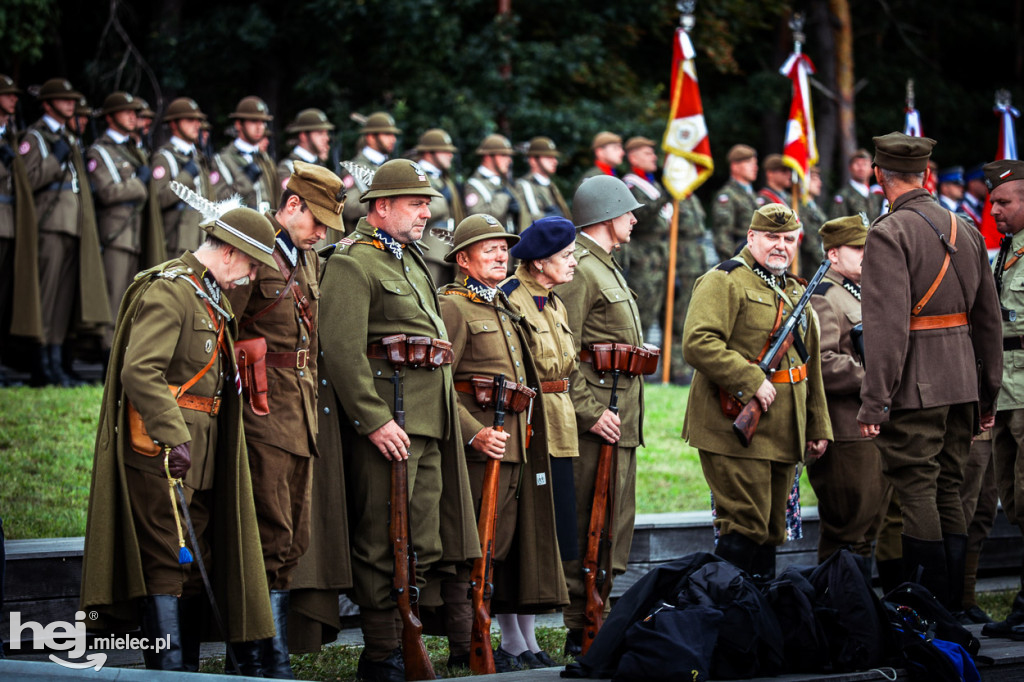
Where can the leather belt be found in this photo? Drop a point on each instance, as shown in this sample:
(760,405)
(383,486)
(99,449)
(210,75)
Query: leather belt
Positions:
(558,386)
(1013,343)
(918,323)
(61,187)
(198,403)
(793,375)
(297,360)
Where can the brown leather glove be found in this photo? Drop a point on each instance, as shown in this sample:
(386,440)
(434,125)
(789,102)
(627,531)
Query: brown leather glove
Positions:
(179,460)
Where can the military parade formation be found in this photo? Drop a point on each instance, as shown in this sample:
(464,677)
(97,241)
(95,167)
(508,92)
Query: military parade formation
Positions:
(425,392)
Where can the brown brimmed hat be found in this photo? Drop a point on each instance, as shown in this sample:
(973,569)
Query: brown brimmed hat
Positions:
(543,146)
(773,162)
(58,88)
(251,108)
(774,218)
(247,230)
(1001,172)
(477,228)
(380,122)
(183,107)
(309,120)
(399,177)
(322,190)
(435,140)
(605,137)
(495,145)
(637,142)
(120,101)
(7,86)
(846,231)
(741,152)
(903,153)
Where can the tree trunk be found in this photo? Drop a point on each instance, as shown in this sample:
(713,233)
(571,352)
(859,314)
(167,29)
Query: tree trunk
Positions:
(821,38)
(844,84)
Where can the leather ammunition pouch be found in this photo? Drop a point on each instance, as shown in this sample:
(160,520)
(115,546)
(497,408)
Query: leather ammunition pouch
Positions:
(412,351)
(731,406)
(251,358)
(142,442)
(622,357)
(517,397)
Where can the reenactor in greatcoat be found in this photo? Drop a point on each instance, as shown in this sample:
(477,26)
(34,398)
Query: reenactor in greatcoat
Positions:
(601,309)
(935,362)
(170,433)
(375,285)
(1005,180)
(852,493)
(541,196)
(120,177)
(733,312)
(245,168)
(490,190)
(856,196)
(181,159)
(735,202)
(72,285)
(277,315)
(489,338)
(436,153)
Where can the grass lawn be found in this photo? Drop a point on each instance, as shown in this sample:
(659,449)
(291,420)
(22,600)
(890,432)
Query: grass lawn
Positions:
(47,435)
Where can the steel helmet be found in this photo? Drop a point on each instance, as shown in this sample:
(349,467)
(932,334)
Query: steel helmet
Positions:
(600,198)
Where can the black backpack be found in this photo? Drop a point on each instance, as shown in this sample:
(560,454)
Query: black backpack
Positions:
(670,644)
(851,615)
(804,642)
(936,616)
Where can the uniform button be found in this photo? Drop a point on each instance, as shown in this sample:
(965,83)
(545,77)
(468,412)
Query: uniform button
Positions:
(414,285)
(558,324)
(517,363)
(303,338)
(600,381)
(513,349)
(302,374)
(327,410)
(190,270)
(323,382)
(508,333)
(398,290)
(485,326)
(739,394)
(356,422)
(378,372)
(565,355)
(885,409)
(503,318)
(277,292)
(407,268)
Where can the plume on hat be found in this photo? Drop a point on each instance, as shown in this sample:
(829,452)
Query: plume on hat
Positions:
(362,174)
(209,210)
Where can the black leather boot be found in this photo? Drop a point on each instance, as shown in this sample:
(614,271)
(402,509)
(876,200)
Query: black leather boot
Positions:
(763,567)
(573,644)
(740,551)
(192,618)
(160,620)
(1015,619)
(59,370)
(249,656)
(924,562)
(956,561)
(41,374)
(276,661)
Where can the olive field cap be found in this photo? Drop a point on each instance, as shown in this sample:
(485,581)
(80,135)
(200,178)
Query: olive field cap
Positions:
(849,230)
(903,153)
(322,190)
(637,142)
(1003,171)
(774,218)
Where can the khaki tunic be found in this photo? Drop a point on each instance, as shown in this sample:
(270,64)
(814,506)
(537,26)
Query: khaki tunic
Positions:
(446,212)
(181,223)
(502,201)
(261,195)
(730,216)
(648,247)
(691,263)
(540,200)
(848,201)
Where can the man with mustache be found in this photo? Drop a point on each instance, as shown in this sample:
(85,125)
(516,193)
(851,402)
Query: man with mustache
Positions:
(734,310)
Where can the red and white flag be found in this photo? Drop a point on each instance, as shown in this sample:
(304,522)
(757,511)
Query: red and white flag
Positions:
(912,122)
(1007,149)
(687,150)
(800,151)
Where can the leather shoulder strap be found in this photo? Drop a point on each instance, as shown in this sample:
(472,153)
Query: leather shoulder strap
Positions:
(916,310)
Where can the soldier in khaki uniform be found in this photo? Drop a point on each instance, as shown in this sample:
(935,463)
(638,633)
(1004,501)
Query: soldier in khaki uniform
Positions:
(9,170)
(375,284)
(601,309)
(377,139)
(1006,192)
(812,218)
(852,494)
(281,420)
(312,146)
(926,335)
(120,176)
(541,196)
(856,196)
(490,190)
(778,181)
(735,202)
(244,166)
(181,159)
(71,280)
(691,263)
(732,314)
(489,338)
(436,152)
(608,155)
(175,331)
(546,260)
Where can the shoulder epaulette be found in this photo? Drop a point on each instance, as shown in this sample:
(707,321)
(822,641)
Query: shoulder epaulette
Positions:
(822,288)
(728,265)
(509,286)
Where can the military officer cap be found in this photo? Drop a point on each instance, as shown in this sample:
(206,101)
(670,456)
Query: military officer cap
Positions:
(380,122)
(144,109)
(247,230)
(58,88)
(903,153)
(435,140)
(637,142)
(399,177)
(83,108)
(741,152)
(1000,172)
(545,237)
(7,86)
(322,190)
(953,174)
(477,228)
(975,173)
(309,120)
(774,218)
(120,101)
(251,108)
(773,162)
(861,154)
(543,146)
(183,107)
(605,137)
(495,145)
(600,198)
(846,231)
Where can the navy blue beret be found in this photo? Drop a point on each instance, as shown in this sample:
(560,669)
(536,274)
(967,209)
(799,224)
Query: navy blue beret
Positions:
(544,238)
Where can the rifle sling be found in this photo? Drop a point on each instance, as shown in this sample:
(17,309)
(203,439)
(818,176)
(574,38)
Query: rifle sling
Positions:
(290,276)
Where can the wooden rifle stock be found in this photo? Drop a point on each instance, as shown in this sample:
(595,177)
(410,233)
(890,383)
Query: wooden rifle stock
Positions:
(746,423)
(481,656)
(598,533)
(404,590)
